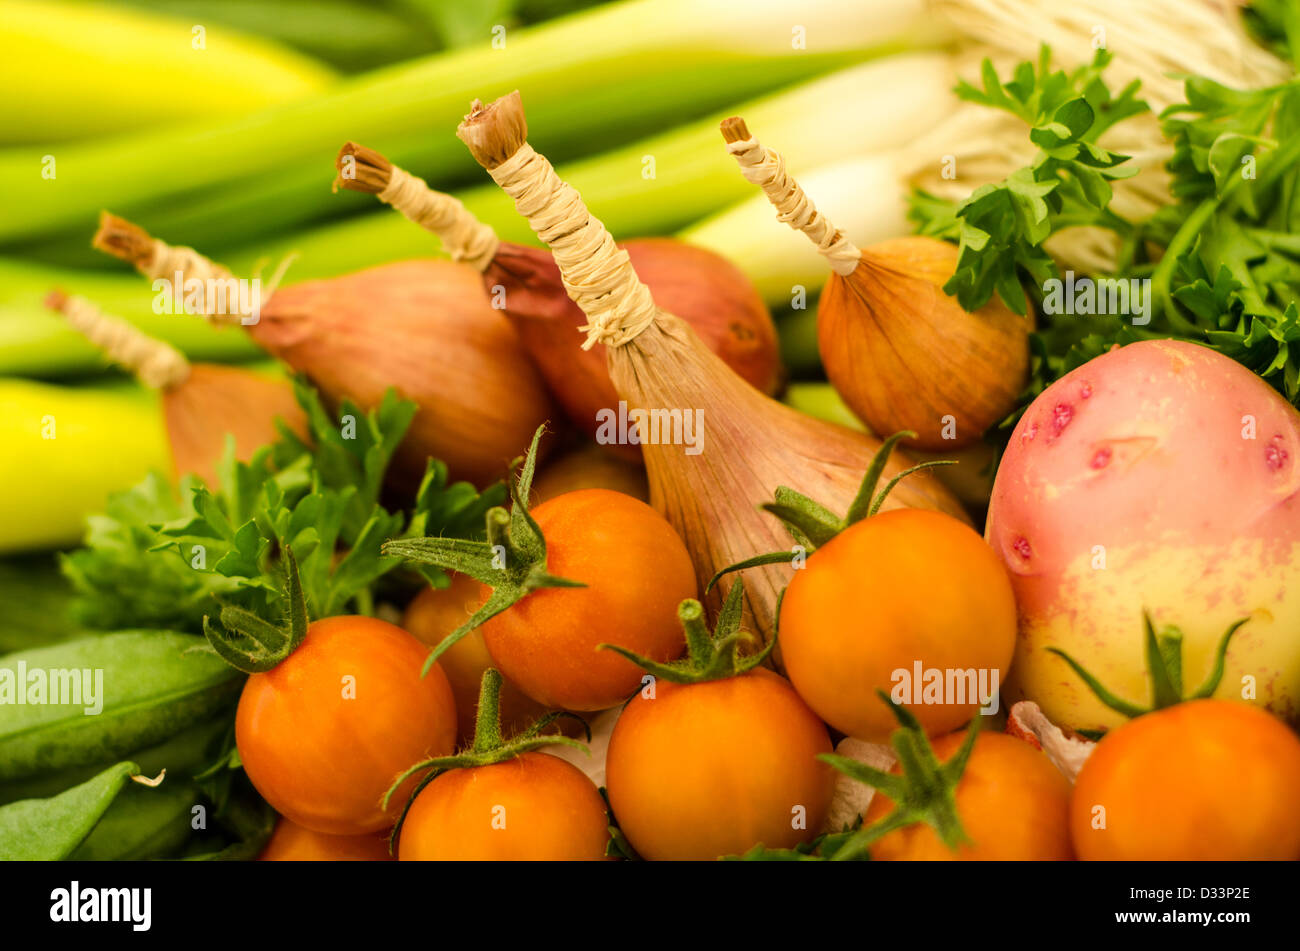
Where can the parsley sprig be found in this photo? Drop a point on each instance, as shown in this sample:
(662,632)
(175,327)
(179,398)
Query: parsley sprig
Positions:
(1001,227)
(159,558)
(1230,274)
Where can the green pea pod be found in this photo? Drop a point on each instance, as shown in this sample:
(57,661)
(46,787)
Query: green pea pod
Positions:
(50,829)
(184,755)
(148,686)
(37,601)
(142,823)
(241,829)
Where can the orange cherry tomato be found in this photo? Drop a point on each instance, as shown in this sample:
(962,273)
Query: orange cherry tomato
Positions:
(432,615)
(535,807)
(1214,780)
(714,768)
(894,590)
(1012,802)
(290,842)
(324,733)
(636,570)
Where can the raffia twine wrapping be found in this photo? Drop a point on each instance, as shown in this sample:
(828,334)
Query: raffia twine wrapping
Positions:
(154,362)
(166,261)
(464,237)
(201,403)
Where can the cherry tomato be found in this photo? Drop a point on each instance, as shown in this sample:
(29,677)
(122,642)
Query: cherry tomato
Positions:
(894,590)
(432,615)
(324,734)
(1012,802)
(535,807)
(636,570)
(714,768)
(1211,780)
(290,842)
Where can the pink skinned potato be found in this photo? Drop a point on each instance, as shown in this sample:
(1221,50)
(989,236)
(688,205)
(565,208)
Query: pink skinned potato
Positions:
(1163,476)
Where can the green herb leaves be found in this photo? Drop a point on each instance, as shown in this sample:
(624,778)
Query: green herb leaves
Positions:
(160,562)
(1230,275)
(1001,227)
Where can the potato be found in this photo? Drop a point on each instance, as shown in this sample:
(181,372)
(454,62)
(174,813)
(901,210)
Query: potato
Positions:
(1160,476)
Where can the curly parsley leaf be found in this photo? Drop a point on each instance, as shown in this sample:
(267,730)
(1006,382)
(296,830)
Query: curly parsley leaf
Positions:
(1001,227)
(1230,274)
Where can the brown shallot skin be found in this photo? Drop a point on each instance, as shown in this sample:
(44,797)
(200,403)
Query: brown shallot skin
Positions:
(425,327)
(706,290)
(905,355)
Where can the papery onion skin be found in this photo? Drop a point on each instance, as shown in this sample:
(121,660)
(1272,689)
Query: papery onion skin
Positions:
(425,327)
(708,484)
(905,355)
(703,288)
(214,401)
(750,445)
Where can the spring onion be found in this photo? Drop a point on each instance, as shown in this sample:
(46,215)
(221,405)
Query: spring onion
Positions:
(636,64)
(692,179)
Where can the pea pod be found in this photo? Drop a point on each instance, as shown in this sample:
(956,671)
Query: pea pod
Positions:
(37,601)
(183,756)
(151,684)
(142,823)
(245,826)
(50,829)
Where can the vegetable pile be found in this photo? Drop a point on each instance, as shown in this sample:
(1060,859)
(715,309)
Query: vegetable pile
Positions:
(592,514)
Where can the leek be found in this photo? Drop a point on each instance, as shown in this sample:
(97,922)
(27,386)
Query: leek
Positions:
(66,449)
(95,69)
(589,79)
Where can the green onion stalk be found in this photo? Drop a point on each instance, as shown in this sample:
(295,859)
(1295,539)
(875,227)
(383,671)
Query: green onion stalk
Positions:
(631,66)
(689,179)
